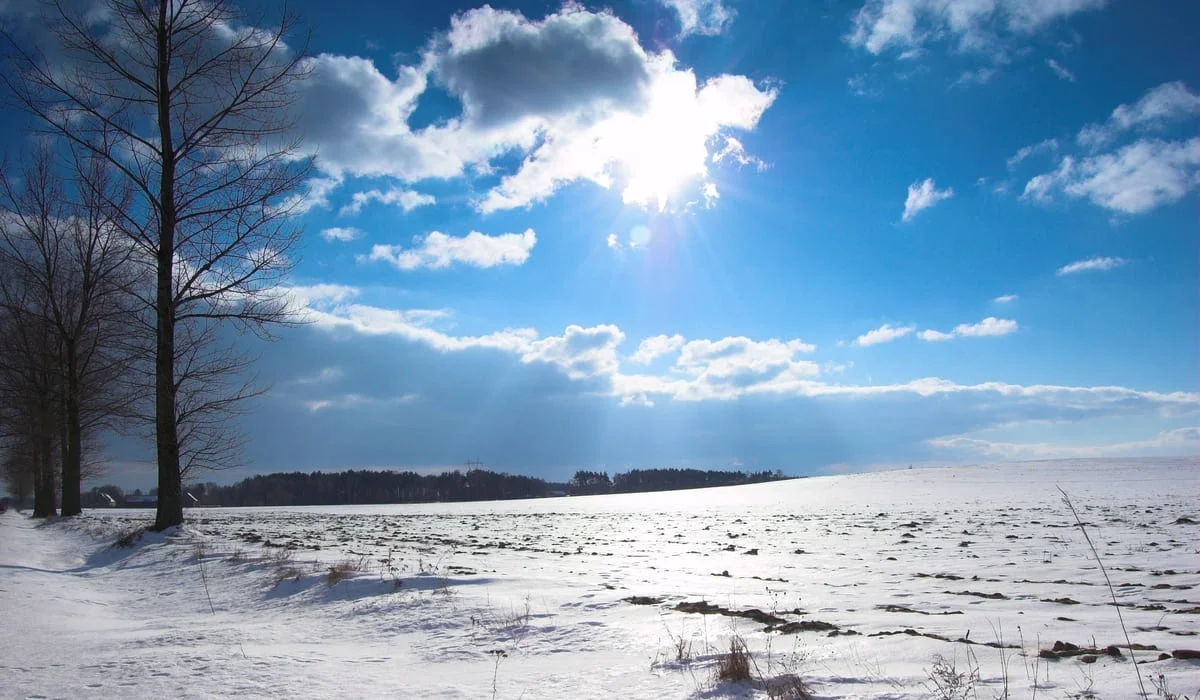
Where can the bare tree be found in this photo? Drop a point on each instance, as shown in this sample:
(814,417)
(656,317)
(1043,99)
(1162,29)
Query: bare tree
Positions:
(59,238)
(18,473)
(29,379)
(190,100)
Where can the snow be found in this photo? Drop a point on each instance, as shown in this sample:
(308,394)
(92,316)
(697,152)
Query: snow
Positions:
(527,599)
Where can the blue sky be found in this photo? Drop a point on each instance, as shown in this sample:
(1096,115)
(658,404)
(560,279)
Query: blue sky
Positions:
(769,234)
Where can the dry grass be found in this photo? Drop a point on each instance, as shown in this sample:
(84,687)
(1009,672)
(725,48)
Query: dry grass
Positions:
(1161,689)
(283,562)
(735,665)
(946,682)
(788,687)
(345,569)
(130,537)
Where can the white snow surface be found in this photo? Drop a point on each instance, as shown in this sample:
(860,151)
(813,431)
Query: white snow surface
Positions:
(527,599)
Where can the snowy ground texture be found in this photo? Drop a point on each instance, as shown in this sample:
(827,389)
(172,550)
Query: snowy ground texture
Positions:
(855,584)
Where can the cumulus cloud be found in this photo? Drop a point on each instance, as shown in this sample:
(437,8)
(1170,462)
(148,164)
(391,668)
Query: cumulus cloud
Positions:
(504,67)
(405,199)
(1090,265)
(1136,178)
(1005,299)
(438,251)
(580,352)
(923,195)
(884,334)
(655,153)
(990,326)
(573,96)
(341,234)
(1139,176)
(904,25)
(306,296)
(656,346)
(735,152)
(708,17)
(724,369)
(355,119)
(313,194)
(729,368)
(1158,107)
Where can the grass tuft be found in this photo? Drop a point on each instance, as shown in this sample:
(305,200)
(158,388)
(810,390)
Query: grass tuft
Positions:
(130,537)
(345,569)
(946,682)
(788,687)
(735,665)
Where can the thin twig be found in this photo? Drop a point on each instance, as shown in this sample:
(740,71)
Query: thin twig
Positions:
(211,607)
(1111,591)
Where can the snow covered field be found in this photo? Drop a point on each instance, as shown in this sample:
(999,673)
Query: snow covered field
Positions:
(853,583)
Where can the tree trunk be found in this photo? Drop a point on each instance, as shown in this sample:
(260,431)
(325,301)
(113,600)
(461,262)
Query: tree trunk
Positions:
(72,467)
(170,486)
(43,486)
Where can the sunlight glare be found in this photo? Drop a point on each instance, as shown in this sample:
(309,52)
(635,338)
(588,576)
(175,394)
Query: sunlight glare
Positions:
(667,147)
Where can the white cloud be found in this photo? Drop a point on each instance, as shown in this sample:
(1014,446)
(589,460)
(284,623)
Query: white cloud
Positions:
(708,17)
(573,96)
(884,334)
(976,25)
(342,234)
(990,326)
(437,251)
(922,195)
(656,153)
(724,369)
(613,242)
(1090,265)
(314,194)
(636,400)
(979,76)
(730,367)
(320,294)
(354,400)
(355,119)
(1047,146)
(934,336)
(1138,176)
(1159,106)
(327,375)
(1006,299)
(405,199)
(656,346)
(733,150)
(1060,71)
(580,352)
(1180,440)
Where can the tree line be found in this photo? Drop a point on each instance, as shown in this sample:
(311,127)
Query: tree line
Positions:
(155,211)
(376,487)
(639,480)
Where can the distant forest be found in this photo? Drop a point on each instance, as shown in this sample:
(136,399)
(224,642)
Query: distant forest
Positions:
(376,487)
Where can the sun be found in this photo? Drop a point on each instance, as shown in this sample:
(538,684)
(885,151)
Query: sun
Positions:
(665,149)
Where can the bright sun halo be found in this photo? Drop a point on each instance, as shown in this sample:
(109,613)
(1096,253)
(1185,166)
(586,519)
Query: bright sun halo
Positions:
(665,148)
